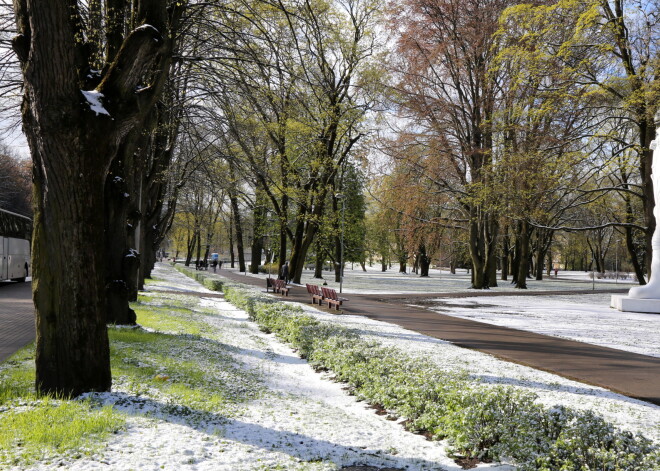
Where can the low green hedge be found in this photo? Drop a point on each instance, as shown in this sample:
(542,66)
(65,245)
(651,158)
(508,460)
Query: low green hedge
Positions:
(479,421)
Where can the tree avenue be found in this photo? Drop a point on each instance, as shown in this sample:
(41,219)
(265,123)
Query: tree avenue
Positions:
(494,135)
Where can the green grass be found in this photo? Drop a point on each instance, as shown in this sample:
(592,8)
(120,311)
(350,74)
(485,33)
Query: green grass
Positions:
(191,371)
(177,364)
(17,377)
(173,320)
(64,427)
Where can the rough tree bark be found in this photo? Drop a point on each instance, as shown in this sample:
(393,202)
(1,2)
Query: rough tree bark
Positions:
(236,214)
(74,133)
(259,214)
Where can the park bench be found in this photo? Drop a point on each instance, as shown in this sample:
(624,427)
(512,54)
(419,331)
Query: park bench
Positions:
(330,296)
(270,283)
(315,293)
(280,287)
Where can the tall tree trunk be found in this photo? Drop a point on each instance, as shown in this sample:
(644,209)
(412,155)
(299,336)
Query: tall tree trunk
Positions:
(632,254)
(339,268)
(259,214)
(239,232)
(403,258)
(523,258)
(320,259)
(192,242)
(492,230)
(306,229)
(74,136)
(257,249)
(199,246)
(68,280)
(121,257)
(505,255)
(476,244)
(424,261)
(299,252)
(283,233)
(540,256)
(232,257)
(158,220)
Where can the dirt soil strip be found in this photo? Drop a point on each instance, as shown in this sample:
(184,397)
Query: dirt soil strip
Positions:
(627,373)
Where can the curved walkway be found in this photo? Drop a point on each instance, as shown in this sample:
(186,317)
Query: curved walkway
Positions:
(627,373)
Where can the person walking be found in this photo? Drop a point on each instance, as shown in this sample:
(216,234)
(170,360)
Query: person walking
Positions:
(285,272)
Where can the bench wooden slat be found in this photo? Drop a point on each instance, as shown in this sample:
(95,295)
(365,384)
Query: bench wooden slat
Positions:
(315,293)
(330,295)
(281,287)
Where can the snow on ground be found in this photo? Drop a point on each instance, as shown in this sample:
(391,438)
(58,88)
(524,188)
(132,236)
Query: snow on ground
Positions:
(586,318)
(621,329)
(627,413)
(582,317)
(375,281)
(305,421)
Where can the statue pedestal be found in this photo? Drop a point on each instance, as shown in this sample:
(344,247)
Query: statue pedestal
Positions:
(628,304)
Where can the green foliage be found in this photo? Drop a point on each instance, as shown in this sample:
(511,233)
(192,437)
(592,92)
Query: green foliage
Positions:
(492,423)
(488,423)
(213,284)
(585,441)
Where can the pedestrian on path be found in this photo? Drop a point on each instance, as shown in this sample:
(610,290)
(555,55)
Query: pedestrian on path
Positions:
(285,272)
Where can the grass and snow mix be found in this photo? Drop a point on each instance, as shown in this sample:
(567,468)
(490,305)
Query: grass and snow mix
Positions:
(198,386)
(478,421)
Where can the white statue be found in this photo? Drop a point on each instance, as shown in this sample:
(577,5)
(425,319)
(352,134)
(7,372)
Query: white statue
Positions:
(647,298)
(651,290)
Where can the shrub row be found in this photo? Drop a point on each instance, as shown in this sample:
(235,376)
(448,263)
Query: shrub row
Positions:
(478,421)
(203,277)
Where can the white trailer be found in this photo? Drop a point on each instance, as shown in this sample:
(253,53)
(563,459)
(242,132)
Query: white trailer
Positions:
(14,246)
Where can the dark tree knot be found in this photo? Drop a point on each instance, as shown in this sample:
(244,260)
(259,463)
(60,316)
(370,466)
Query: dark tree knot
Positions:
(21,46)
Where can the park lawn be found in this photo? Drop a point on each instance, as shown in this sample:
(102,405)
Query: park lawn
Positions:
(147,365)
(199,386)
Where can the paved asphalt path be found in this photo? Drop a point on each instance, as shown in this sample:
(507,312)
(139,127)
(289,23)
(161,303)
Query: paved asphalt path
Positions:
(17,327)
(630,374)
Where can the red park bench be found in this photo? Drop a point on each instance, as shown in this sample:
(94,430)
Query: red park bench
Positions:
(316,294)
(330,296)
(279,286)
